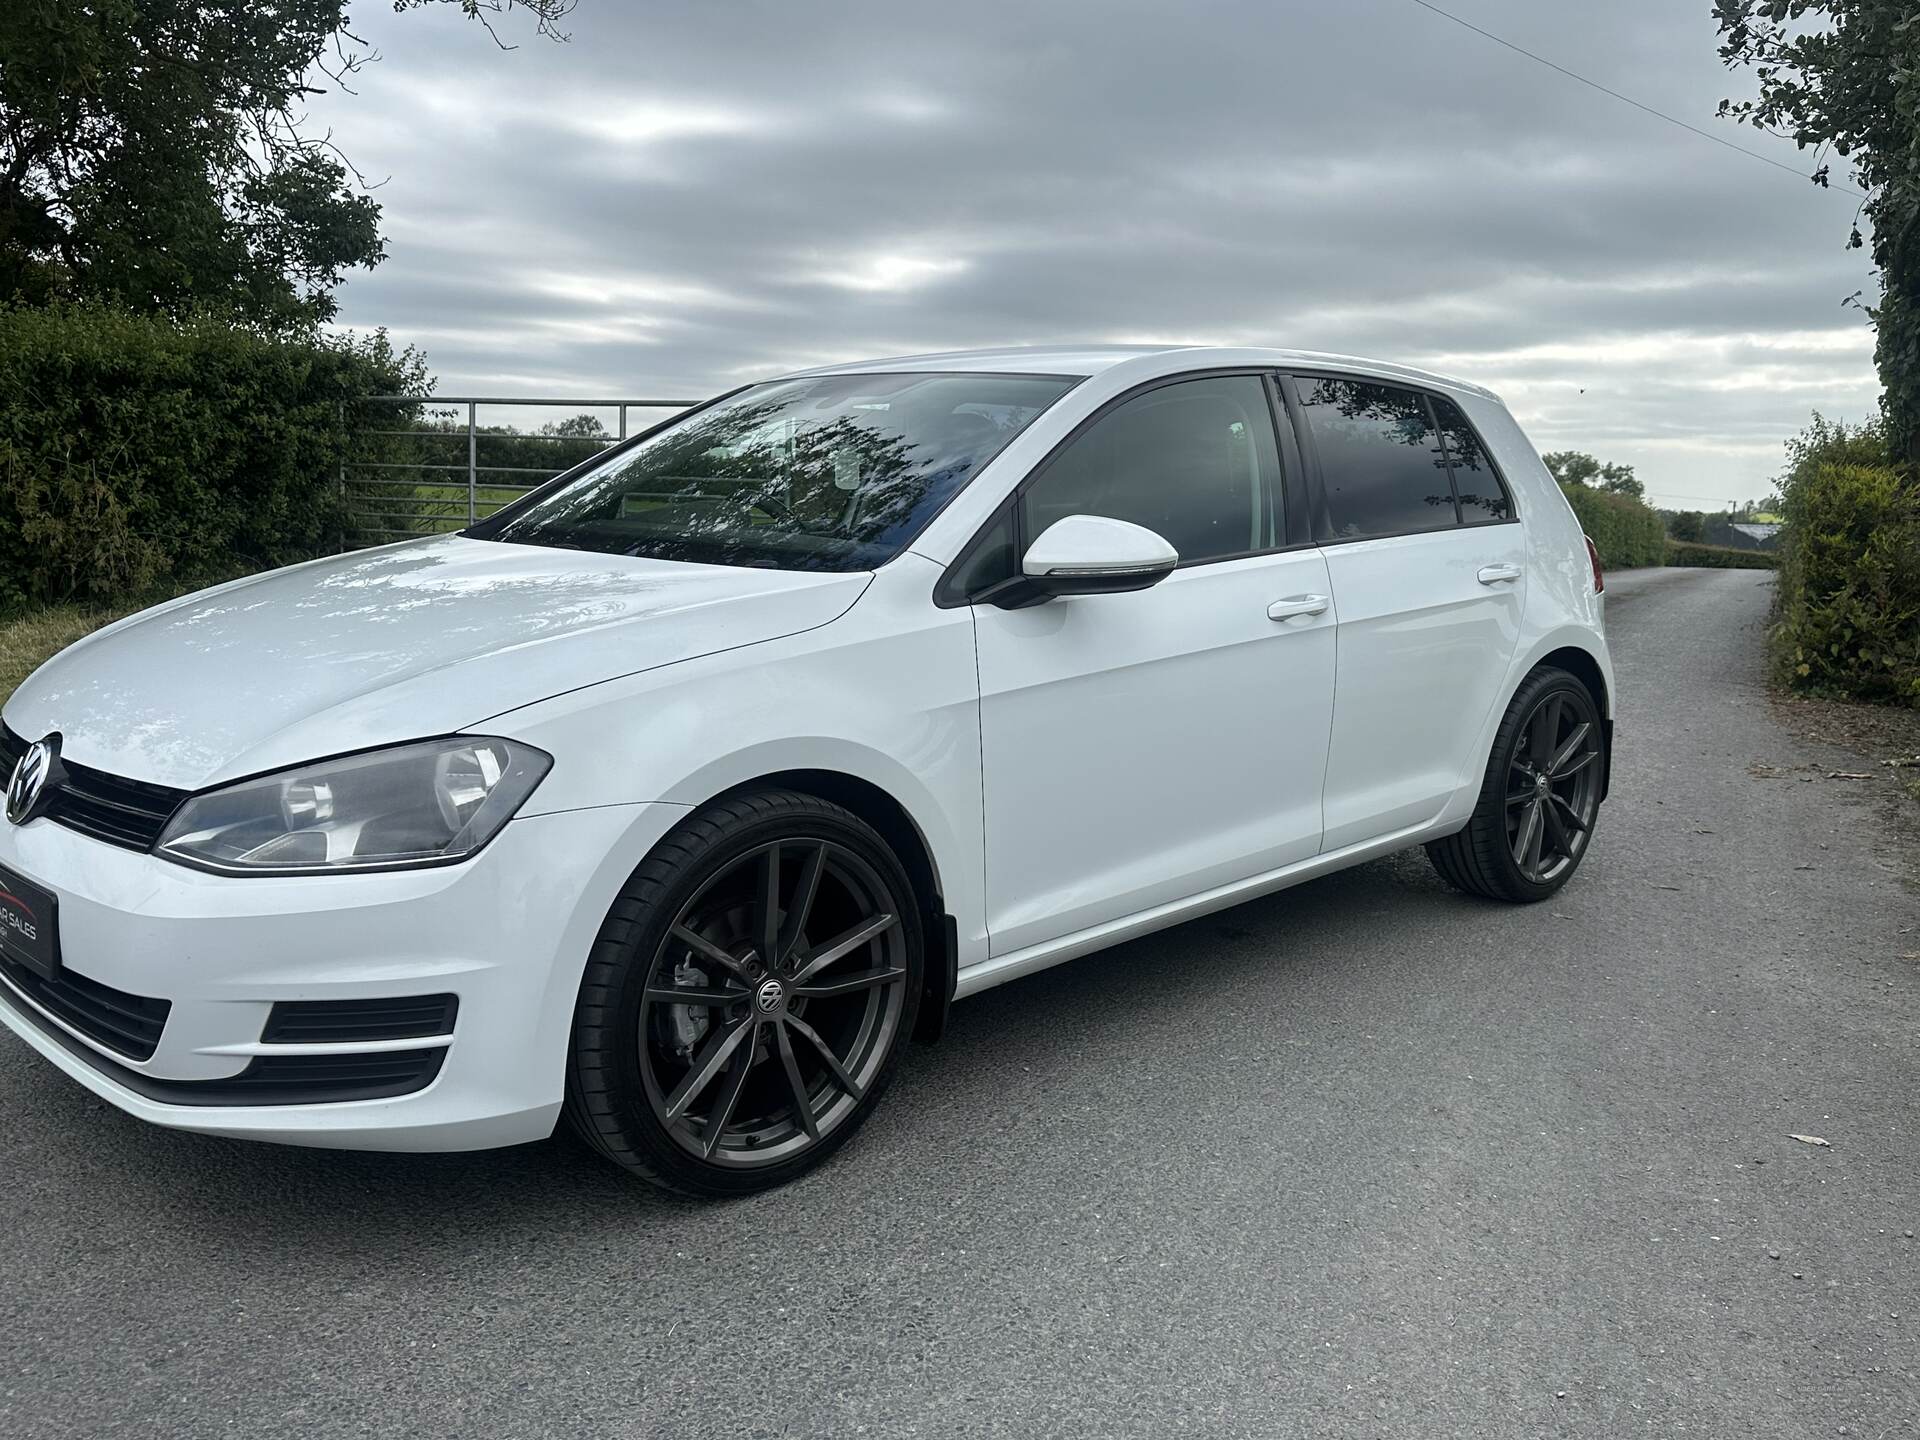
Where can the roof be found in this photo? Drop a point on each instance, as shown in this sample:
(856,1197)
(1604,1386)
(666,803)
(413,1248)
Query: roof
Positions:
(1087,360)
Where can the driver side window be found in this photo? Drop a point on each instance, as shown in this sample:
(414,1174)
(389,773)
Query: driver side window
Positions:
(1195,462)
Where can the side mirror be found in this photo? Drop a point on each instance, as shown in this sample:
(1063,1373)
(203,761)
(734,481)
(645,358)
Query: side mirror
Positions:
(1088,555)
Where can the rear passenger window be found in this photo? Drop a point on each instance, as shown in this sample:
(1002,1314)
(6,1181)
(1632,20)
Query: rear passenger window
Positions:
(1384,468)
(1482,497)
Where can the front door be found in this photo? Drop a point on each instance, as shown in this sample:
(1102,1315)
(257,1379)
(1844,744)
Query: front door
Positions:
(1142,748)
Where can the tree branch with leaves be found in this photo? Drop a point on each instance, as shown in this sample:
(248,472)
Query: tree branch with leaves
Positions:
(1843,76)
(1576,467)
(157,153)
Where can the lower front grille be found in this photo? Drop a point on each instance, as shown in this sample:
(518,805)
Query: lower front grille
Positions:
(268,1080)
(326,1079)
(128,1025)
(341,1022)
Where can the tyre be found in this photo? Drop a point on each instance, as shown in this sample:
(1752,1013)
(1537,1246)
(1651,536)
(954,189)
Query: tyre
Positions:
(746,999)
(1539,800)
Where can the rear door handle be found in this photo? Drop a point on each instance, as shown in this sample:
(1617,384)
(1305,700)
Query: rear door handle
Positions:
(1298,607)
(1494,574)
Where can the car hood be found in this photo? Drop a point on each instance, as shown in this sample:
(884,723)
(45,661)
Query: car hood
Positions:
(413,640)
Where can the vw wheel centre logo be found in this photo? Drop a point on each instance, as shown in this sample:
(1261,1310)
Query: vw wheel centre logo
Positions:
(30,779)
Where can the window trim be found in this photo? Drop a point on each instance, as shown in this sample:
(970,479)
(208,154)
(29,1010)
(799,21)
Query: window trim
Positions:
(1292,480)
(1323,515)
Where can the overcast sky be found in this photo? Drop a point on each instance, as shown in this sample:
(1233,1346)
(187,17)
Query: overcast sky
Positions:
(690,195)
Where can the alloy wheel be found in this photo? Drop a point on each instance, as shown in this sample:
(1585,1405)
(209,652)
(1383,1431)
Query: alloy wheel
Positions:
(1553,785)
(772,1003)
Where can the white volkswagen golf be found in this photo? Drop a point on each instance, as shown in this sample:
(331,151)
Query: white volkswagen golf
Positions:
(679,794)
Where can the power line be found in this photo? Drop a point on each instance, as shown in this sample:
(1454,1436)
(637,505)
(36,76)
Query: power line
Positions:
(1628,99)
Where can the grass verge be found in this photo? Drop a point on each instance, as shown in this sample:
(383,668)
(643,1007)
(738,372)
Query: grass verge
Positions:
(29,639)
(1885,743)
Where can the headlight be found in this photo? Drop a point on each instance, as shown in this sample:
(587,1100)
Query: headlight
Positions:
(425,804)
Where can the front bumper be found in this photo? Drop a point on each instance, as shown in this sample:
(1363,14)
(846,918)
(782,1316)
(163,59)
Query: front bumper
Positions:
(507,933)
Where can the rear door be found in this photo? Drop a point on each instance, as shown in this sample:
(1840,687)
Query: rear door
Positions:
(1427,563)
(1141,748)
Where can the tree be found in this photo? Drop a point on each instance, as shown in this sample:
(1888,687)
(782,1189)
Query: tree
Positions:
(578,427)
(1576,467)
(1845,75)
(1687,525)
(153,152)
(1618,480)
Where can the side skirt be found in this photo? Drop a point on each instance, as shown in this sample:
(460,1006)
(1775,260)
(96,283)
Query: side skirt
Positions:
(999,969)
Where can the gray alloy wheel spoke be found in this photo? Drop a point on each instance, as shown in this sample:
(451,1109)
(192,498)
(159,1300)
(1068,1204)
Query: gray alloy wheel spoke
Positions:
(1526,845)
(1576,765)
(801,910)
(844,944)
(834,1067)
(706,1065)
(728,1099)
(1519,797)
(767,929)
(1567,751)
(706,949)
(674,995)
(849,984)
(1523,834)
(1556,831)
(1569,814)
(1546,726)
(802,1102)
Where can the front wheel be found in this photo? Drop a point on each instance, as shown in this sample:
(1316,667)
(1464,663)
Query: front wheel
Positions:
(1539,800)
(744,1004)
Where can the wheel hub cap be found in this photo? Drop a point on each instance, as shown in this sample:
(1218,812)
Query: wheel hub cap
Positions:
(771,998)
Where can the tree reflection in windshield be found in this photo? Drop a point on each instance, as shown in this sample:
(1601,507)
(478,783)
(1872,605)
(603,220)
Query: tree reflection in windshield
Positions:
(834,473)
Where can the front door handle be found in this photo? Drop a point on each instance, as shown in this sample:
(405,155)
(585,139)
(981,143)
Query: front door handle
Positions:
(1495,574)
(1298,607)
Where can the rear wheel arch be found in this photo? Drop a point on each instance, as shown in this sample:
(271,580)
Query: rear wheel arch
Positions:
(1539,795)
(1582,665)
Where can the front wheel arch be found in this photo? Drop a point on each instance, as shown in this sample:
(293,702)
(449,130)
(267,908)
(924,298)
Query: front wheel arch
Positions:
(897,827)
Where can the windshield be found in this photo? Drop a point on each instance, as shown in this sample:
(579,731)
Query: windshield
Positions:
(834,473)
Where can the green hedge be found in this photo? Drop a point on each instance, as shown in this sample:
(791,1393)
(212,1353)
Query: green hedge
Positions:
(139,454)
(1850,582)
(1625,532)
(1720,557)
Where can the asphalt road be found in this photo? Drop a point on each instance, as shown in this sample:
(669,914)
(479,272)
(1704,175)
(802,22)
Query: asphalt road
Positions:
(1366,1158)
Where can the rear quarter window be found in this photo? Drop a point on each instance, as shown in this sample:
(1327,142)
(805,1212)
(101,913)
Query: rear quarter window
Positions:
(1483,498)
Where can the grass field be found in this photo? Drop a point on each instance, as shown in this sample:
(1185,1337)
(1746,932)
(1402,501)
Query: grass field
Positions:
(32,638)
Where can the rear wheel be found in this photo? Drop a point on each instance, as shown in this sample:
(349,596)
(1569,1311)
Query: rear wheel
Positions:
(1539,800)
(744,1004)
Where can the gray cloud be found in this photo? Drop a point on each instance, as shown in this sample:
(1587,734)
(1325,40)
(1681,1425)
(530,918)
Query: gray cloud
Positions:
(689,195)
